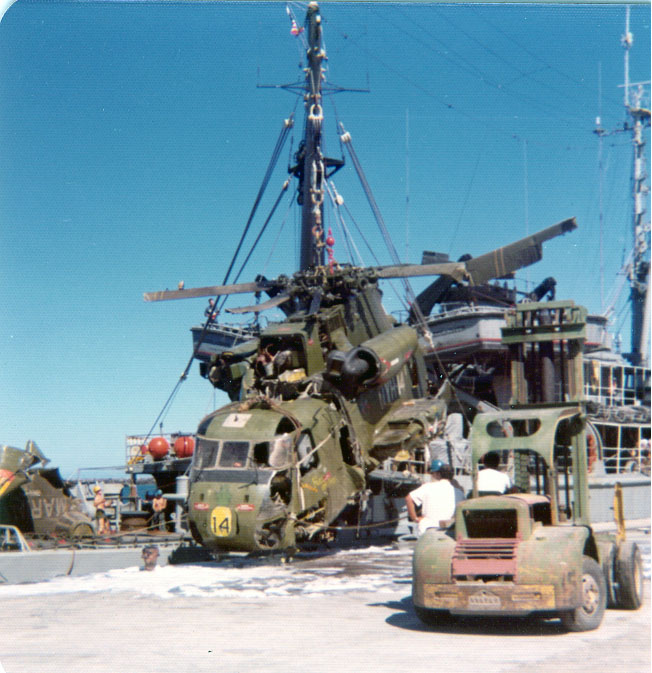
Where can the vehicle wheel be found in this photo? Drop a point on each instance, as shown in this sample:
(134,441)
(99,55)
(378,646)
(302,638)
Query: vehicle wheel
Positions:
(629,577)
(82,530)
(588,615)
(431,617)
(609,571)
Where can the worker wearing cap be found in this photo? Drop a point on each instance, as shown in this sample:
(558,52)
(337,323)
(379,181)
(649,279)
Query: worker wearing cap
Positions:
(436,499)
(159,504)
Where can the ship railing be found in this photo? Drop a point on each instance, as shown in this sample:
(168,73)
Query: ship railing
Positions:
(623,460)
(234,329)
(463,311)
(117,503)
(611,396)
(404,465)
(460,461)
(625,446)
(614,385)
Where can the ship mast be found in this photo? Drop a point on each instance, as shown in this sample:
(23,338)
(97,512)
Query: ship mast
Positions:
(311,165)
(639,269)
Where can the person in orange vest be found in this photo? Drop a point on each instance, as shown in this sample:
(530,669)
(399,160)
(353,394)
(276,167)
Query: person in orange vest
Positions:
(159,504)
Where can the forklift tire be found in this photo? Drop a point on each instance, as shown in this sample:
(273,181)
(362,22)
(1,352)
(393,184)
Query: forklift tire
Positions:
(588,615)
(629,577)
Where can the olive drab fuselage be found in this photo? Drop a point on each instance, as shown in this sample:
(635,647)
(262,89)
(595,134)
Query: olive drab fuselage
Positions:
(319,401)
(258,469)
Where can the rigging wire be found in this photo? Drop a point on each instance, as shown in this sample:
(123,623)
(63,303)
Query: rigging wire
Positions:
(284,188)
(460,62)
(278,236)
(360,233)
(499,57)
(336,201)
(346,138)
(409,293)
(287,125)
(521,46)
(464,202)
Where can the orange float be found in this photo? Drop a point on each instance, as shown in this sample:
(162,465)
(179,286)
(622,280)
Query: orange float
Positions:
(184,446)
(159,447)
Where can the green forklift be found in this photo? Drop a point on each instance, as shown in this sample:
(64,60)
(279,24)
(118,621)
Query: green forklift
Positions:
(533,549)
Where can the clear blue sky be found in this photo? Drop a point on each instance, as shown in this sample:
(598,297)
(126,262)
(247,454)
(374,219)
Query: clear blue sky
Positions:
(133,141)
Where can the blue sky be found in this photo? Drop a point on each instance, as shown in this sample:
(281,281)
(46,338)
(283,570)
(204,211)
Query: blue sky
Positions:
(134,140)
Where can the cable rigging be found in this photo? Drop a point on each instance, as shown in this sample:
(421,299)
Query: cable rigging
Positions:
(477,72)
(278,148)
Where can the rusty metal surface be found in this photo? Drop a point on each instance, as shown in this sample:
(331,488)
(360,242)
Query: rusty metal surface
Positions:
(483,597)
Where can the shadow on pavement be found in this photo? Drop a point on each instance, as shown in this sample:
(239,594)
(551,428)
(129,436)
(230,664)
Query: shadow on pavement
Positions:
(406,618)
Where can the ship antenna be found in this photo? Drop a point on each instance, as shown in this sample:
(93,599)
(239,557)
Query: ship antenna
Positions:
(636,268)
(600,132)
(639,269)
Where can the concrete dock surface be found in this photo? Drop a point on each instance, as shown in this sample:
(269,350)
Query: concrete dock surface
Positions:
(340,612)
(93,633)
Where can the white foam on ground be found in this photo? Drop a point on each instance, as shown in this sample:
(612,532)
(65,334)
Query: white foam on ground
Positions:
(371,569)
(249,579)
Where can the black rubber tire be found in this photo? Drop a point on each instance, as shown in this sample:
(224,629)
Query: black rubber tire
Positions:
(609,572)
(588,615)
(629,577)
(82,530)
(431,617)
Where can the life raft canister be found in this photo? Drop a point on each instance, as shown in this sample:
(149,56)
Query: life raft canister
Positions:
(159,447)
(184,446)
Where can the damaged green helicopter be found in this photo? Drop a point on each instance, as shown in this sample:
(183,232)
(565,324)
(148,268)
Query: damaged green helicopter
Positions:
(321,400)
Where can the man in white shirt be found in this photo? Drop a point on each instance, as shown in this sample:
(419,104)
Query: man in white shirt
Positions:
(490,479)
(436,499)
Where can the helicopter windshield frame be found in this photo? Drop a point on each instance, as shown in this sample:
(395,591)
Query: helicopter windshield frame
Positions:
(273,454)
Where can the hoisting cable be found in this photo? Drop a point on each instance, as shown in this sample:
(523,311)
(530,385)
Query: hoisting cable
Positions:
(340,202)
(286,184)
(272,248)
(336,202)
(361,234)
(346,139)
(420,318)
(287,125)
(278,148)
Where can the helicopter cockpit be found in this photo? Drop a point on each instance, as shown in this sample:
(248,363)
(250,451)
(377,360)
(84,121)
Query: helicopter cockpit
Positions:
(274,454)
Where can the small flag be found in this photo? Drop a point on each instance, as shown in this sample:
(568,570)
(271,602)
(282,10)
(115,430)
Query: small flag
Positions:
(295,30)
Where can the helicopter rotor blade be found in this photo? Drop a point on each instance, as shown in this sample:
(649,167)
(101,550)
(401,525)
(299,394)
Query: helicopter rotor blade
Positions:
(256,308)
(495,264)
(208,291)
(510,258)
(478,270)
(456,270)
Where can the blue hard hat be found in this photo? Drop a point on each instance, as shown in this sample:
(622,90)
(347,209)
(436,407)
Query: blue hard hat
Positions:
(159,492)
(436,465)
